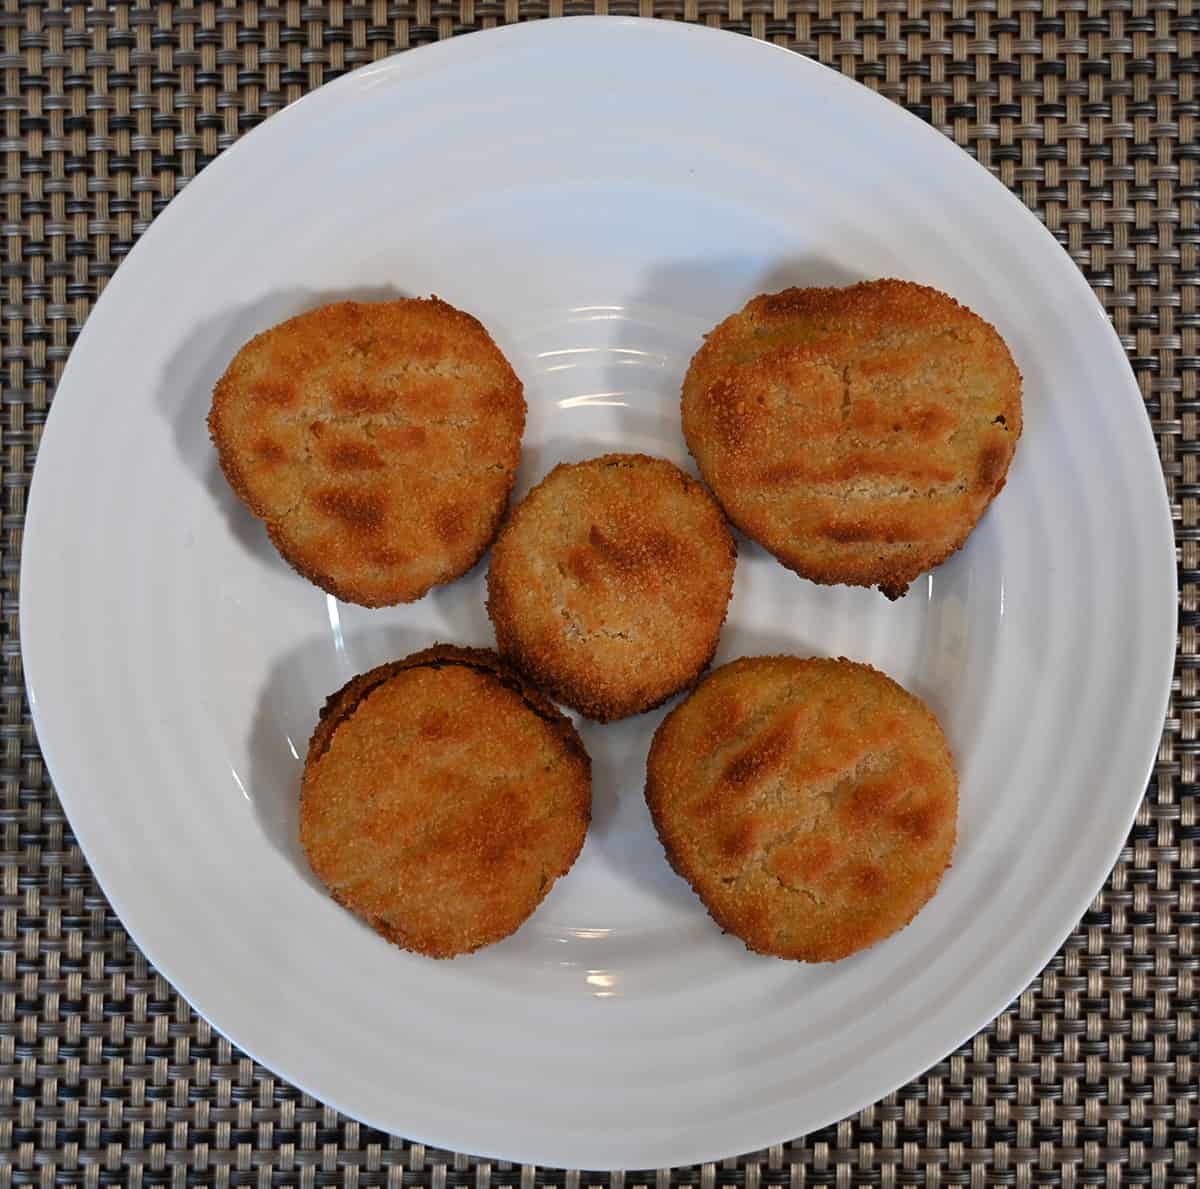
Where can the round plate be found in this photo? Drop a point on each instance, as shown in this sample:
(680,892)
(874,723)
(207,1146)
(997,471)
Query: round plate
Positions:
(588,190)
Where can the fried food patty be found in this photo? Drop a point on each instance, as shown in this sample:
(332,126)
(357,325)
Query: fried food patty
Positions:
(858,434)
(609,583)
(378,441)
(811,804)
(442,797)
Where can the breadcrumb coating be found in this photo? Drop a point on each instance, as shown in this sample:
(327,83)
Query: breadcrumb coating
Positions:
(377,440)
(442,797)
(811,804)
(858,434)
(609,583)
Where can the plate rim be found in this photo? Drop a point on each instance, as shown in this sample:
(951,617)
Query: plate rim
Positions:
(32,631)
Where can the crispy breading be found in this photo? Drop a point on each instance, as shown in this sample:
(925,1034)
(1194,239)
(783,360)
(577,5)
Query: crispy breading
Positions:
(377,440)
(858,434)
(609,583)
(811,804)
(442,797)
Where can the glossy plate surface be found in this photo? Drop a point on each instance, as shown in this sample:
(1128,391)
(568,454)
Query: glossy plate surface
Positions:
(599,193)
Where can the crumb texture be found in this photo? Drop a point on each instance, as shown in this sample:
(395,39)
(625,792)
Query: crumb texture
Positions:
(442,797)
(858,434)
(377,440)
(609,584)
(811,804)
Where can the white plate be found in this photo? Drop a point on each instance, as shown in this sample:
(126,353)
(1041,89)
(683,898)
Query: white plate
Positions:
(599,192)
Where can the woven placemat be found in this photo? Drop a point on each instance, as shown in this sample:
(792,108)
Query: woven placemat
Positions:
(1086,109)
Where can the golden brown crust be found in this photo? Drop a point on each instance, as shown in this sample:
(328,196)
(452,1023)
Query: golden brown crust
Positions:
(609,583)
(858,434)
(811,804)
(377,440)
(442,797)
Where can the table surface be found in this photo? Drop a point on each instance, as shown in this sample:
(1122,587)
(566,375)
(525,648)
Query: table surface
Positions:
(1086,109)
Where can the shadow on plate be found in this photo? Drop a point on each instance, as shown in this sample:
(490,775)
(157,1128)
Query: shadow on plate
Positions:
(288,708)
(461,605)
(537,461)
(690,297)
(715,289)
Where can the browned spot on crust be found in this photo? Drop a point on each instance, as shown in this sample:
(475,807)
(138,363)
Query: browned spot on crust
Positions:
(865,804)
(807,861)
(740,841)
(782,473)
(649,551)
(435,724)
(919,823)
(874,465)
(868,879)
(353,396)
(893,528)
(270,451)
(277,391)
(384,555)
(993,464)
(846,533)
(929,424)
(839,819)
(764,756)
(355,456)
(405,437)
(450,522)
(732,712)
(784,303)
(580,564)
(359,510)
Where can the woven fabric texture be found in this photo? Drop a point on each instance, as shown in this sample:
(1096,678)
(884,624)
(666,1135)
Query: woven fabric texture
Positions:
(1085,108)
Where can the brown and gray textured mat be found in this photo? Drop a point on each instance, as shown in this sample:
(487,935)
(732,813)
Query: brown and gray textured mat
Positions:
(1086,109)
